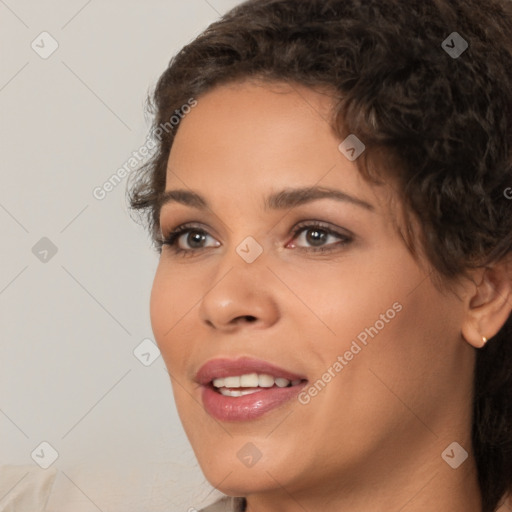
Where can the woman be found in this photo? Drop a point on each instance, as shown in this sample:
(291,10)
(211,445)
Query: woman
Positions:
(334,293)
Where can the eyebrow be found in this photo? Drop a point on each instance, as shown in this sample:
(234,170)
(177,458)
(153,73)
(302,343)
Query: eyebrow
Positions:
(285,199)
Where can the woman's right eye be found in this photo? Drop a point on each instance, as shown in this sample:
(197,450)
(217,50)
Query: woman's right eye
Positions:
(188,239)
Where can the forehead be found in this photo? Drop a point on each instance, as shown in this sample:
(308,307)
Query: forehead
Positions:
(244,139)
(250,119)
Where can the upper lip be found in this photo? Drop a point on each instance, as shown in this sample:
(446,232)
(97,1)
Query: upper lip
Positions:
(220,368)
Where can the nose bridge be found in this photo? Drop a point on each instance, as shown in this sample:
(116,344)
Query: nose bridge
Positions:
(241,291)
(246,257)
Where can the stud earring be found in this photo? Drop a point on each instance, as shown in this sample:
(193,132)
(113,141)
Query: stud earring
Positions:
(484,340)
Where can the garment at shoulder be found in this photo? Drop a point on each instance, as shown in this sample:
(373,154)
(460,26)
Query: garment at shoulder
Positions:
(227,504)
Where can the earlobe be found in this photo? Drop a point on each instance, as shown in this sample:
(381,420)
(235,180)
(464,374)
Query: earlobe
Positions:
(489,305)
(471,333)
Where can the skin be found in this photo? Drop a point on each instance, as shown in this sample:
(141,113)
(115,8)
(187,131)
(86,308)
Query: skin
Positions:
(372,439)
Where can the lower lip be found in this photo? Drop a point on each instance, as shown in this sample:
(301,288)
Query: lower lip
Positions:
(247,407)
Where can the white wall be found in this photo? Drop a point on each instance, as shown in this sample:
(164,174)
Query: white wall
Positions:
(68,326)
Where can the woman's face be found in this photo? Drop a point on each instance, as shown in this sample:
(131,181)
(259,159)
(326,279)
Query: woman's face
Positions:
(292,268)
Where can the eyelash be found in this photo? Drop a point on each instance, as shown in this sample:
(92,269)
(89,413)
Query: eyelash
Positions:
(172,238)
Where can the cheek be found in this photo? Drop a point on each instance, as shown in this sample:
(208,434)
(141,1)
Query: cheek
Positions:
(383,310)
(176,289)
(407,332)
(343,298)
(170,301)
(159,306)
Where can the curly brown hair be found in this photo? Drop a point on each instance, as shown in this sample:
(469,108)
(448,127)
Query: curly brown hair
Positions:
(442,121)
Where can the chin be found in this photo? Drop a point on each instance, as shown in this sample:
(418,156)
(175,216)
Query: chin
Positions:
(241,465)
(238,481)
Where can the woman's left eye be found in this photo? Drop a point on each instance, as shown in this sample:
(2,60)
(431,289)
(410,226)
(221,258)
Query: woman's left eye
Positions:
(189,239)
(317,237)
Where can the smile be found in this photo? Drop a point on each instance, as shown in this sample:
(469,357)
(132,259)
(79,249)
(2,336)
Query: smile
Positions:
(232,392)
(250,383)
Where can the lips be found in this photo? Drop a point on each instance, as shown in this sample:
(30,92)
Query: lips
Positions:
(221,368)
(245,389)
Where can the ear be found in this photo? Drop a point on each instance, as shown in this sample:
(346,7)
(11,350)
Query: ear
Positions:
(489,303)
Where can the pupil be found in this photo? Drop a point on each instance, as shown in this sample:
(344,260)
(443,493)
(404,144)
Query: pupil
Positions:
(196,239)
(316,236)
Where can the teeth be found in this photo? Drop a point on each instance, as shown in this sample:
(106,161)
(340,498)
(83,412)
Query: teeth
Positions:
(237,392)
(265,381)
(232,382)
(218,383)
(252,380)
(249,381)
(282,383)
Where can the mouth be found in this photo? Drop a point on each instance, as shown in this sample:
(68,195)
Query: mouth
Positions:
(250,383)
(245,389)
(216,371)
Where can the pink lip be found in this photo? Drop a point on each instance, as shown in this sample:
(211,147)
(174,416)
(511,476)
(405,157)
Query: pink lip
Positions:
(220,368)
(248,407)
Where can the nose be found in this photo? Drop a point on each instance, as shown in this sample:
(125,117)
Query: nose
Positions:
(240,298)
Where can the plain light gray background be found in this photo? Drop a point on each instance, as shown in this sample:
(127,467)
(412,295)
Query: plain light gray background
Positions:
(70,321)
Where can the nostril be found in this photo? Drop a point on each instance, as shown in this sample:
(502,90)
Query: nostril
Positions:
(249,318)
